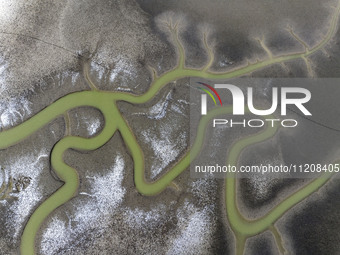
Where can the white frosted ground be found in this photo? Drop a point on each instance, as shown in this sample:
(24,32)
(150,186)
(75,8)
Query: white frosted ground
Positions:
(106,194)
(165,149)
(8,11)
(196,228)
(31,166)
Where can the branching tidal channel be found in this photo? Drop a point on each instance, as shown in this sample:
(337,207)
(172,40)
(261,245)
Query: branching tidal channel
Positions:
(106,103)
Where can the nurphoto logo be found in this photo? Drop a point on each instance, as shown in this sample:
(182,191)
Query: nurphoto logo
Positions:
(288,96)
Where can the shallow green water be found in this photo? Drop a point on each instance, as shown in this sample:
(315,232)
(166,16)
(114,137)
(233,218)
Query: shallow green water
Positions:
(106,103)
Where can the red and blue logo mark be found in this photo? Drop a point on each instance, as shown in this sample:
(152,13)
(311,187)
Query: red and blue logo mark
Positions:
(209,93)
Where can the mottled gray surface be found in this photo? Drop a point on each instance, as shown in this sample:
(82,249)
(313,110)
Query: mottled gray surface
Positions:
(44,48)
